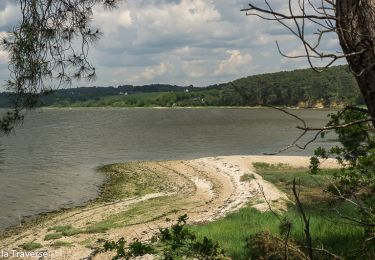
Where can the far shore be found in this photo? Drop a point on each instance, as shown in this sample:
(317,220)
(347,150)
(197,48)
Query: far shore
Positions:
(138,196)
(191,107)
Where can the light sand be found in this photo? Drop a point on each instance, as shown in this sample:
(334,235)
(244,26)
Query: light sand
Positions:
(206,189)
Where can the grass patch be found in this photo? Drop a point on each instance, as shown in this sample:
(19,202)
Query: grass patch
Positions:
(66,231)
(232,231)
(60,228)
(30,246)
(247,177)
(88,242)
(53,236)
(326,226)
(59,244)
(269,166)
(139,213)
(311,186)
(130,180)
(96,229)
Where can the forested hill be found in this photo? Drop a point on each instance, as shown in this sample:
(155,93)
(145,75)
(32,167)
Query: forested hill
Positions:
(304,88)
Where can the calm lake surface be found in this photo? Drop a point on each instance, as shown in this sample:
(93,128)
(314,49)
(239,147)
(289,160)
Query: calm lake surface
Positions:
(50,161)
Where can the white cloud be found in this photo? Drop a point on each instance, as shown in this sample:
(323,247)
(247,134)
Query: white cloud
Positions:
(8,14)
(235,64)
(111,20)
(175,23)
(296,52)
(4,56)
(199,42)
(150,73)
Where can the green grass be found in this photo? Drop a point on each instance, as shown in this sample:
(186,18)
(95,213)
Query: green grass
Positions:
(88,242)
(141,212)
(269,166)
(58,244)
(96,229)
(30,246)
(311,187)
(66,231)
(53,236)
(232,231)
(326,226)
(129,180)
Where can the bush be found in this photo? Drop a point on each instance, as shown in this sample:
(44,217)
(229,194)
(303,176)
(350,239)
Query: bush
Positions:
(264,246)
(176,242)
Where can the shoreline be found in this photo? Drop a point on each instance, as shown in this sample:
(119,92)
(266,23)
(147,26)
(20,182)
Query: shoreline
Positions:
(211,179)
(33,220)
(189,107)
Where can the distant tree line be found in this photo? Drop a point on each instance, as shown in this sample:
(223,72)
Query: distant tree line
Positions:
(332,87)
(304,88)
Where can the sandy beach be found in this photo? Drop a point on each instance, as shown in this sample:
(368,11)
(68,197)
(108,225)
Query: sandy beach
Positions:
(206,189)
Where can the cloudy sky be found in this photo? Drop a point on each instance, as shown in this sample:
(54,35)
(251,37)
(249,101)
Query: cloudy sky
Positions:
(183,42)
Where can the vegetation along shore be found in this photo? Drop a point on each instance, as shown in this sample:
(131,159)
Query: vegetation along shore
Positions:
(305,88)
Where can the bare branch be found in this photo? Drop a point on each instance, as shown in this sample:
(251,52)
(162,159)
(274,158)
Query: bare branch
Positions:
(323,16)
(306,221)
(334,127)
(323,250)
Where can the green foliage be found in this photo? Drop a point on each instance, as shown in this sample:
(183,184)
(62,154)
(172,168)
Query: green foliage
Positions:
(356,180)
(356,153)
(128,180)
(356,140)
(42,52)
(66,230)
(305,88)
(265,245)
(331,88)
(233,231)
(58,244)
(30,246)
(176,242)
(53,236)
(134,249)
(269,166)
(314,165)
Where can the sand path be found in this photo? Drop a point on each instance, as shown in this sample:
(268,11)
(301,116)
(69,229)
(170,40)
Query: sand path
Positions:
(206,189)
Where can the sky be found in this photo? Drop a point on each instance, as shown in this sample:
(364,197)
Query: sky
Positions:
(180,42)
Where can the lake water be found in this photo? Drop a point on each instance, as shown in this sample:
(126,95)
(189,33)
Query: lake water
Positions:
(50,161)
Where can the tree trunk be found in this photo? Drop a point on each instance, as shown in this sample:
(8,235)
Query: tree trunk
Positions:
(356,31)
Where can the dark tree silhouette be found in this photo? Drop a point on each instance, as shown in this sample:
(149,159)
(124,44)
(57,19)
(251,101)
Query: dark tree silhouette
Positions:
(353,22)
(48,47)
